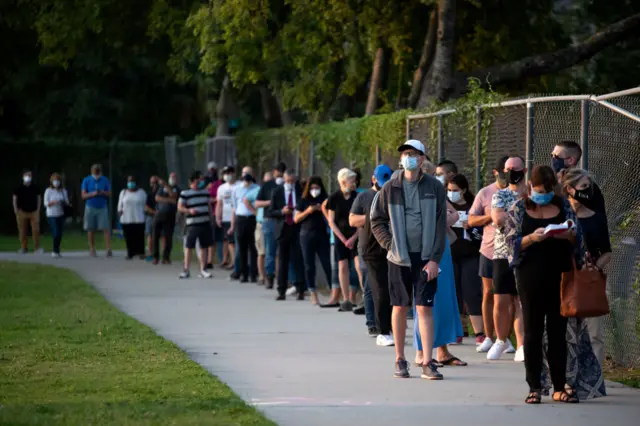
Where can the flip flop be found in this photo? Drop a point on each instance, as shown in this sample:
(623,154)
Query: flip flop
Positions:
(454,362)
(330,305)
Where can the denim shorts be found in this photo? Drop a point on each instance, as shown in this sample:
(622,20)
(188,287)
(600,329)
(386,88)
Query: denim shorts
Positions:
(148,225)
(96,219)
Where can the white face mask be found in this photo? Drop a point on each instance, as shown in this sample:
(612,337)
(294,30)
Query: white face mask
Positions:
(315,193)
(172,181)
(288,187)
(454,196)
(26,179)
(279,180)
(228,178)
(441,179)
(56,183)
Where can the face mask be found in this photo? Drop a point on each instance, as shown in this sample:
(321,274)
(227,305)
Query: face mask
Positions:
(514,176)
(26,179)
(228,178)
(315,193)
(558,164)
(172,181)
(541,199)
(440,179)
(279,180)
(131,185)
(288,187)
(409,163)
(56,183)
(201,184)
(346,190)
(454,196)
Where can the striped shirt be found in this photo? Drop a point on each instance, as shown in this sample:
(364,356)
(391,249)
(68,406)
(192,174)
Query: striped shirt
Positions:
(197,199)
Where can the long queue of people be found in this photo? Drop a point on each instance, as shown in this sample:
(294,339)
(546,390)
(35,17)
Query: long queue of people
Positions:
(418,242)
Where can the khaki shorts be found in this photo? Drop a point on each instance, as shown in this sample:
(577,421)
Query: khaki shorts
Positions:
(259,235)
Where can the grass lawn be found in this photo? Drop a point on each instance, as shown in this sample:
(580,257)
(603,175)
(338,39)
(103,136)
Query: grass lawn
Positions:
(68,357)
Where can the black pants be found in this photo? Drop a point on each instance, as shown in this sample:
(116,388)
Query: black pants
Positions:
(379,282)
(316,243)
(468,285)
(246,233)
(539,290)
(134,238)
(163,227)
(288,248)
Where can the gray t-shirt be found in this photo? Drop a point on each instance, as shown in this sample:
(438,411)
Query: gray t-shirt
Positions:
(165,209)
(413,217)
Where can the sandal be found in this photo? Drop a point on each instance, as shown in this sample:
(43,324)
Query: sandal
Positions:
(453,361)
(533,398)
(436,363)
(567,396)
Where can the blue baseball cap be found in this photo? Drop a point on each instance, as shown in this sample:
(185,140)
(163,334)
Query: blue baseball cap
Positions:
(382,173)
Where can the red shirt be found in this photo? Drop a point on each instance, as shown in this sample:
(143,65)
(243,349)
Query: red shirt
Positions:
(213,191)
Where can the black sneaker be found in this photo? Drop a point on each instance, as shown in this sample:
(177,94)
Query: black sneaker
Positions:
(234,276)
(345,307)
(209,266)
(184,275)
(270,281)
(402,369)
(430,372)
(359,310)
(373,332)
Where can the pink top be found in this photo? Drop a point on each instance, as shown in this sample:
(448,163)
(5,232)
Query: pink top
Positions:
(482,207)
(213,191)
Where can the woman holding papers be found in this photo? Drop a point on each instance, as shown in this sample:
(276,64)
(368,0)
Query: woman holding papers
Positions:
(539,260)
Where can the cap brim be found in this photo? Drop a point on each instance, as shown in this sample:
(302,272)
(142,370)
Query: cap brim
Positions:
(402,148)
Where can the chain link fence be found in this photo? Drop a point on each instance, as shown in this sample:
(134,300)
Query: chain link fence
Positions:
(608,129)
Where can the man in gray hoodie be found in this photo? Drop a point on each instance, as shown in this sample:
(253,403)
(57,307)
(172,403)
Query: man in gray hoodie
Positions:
(408,218)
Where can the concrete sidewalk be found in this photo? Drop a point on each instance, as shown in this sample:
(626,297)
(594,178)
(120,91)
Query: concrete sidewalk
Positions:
(303,365)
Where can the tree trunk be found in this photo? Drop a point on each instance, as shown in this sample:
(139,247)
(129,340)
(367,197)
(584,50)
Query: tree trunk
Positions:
(441,84)
(284,113)
(376,81)
(270,108)
(426,59)
(222,109)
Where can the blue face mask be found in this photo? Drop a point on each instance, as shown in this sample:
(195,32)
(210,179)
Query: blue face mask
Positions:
(131,185)
(409,163)
(541,199)
(201,184)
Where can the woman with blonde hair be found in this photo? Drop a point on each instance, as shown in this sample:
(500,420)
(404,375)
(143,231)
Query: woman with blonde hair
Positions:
(55,200)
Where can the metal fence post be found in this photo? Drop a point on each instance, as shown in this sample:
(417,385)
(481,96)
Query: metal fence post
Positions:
(378,155)
(111,148)
(297,166)
(312,155)
(408,129)
(529,138)
(440,139)
(584,133)
(478,149)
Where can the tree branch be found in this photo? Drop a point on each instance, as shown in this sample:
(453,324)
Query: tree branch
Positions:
(546,63)
(426,59)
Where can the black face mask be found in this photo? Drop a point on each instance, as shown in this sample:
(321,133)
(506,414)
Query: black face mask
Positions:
(584,197)
(514,176)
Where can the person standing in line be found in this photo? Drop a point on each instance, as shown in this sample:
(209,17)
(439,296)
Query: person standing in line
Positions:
(480,216)
(374,256)
(224,214)
(283,204)
(465,253)
(164,221)
(236,274)
(244,219)
(132,206)
(314,238)
(507,309)
(96,190)
(409,221)
(269,223)
(55,200)
(250,203)
(213,184)
(27,201)
(337,209)
(150,211)
(445,171)
(566,155)
(539,261)
(194,203)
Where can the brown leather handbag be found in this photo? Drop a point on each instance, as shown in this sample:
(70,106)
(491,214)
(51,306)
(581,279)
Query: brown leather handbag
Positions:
(583,293)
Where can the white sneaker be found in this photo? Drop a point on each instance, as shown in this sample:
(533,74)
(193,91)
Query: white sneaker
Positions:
(292,291)
(39,251)
(486,344)
(510,349)
(55,255)
(519,355)
(205,274)
(497,350)
(384,340)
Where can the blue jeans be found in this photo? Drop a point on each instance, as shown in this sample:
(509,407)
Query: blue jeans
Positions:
(56,225)
(369,306)
(270,247)
(315,244)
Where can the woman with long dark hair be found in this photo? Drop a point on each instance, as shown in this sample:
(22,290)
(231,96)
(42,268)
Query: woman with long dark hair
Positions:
(539,261)
(314,238)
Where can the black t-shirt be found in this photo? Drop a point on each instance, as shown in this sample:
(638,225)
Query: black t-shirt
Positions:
(167,209)
(342,208)
(151,198)
(596,235)
(469,246)
(27,197)
(315,222)
(265,194)
(368,246)
(598,200)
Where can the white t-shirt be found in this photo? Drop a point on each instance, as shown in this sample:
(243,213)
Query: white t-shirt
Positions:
(58,195)
(225,195)
(131,204)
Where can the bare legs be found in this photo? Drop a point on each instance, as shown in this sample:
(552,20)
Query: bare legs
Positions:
(487,307)
(343,277)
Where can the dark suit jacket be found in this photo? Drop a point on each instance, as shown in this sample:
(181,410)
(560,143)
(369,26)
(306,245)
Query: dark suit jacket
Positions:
(278,203)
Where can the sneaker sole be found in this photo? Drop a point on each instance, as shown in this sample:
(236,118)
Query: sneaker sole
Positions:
(422,376)
(408,376)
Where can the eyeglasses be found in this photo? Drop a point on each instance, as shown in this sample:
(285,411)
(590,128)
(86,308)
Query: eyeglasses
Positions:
(412,154)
